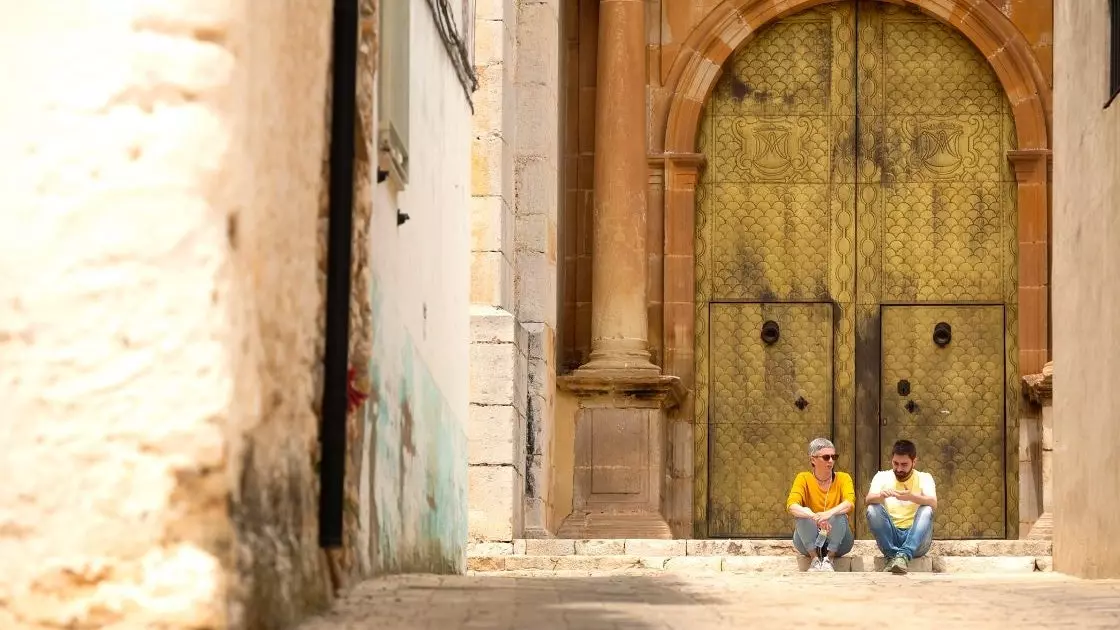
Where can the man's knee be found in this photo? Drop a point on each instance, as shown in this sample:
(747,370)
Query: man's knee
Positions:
(876,513)
(924,513)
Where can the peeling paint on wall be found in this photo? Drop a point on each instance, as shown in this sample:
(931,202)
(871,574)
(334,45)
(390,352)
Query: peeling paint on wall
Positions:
(417,519)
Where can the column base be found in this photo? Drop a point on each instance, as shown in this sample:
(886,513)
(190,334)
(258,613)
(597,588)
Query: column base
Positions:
(619,454)
(622,387)
(619,354)
(606,524)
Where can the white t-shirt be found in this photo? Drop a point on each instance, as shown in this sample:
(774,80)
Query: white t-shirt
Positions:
(902,512)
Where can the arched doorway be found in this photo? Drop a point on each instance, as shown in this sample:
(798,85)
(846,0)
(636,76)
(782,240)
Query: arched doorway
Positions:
(856,264)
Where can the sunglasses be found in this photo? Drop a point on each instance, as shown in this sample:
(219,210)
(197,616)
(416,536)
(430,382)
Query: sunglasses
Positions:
(828,458)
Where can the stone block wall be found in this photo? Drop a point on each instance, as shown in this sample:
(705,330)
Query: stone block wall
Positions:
(515,187)
(161,328)
(537,191)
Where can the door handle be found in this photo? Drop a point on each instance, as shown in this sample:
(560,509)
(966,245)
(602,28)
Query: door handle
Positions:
(801,403)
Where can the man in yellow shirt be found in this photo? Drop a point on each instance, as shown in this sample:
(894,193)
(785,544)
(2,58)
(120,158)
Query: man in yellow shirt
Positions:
(820,500)
(900,505)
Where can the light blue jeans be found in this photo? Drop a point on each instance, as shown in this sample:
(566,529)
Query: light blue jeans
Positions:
(839,541)
(909,543)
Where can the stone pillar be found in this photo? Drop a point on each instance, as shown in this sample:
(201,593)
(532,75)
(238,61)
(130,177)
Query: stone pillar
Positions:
(618,277)
(620,427)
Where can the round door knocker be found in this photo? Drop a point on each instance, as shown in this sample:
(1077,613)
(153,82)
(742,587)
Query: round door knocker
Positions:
(770,332)
(942,334)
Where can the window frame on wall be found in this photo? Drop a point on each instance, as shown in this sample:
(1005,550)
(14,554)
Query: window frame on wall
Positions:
(1114,52)
(393,90)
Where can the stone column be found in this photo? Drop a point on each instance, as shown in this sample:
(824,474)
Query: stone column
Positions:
(619,326)
(619,464)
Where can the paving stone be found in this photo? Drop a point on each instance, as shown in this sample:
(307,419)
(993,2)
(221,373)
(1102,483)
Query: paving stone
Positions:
(1001,564)
(774,548)
(486,563)
(954,547)
(764,564)
(519,546)
(536,563)
(719,547)
(600,547)
(489,549)
(653,562)
(595,563)
(549,547)
(694,563)
(655,547)
(1014,548)
(701,600)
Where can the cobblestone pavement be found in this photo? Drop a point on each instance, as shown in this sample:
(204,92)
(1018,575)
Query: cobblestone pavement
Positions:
(640,601)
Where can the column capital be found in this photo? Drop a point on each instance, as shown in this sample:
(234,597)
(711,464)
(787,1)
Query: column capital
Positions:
(1030,165)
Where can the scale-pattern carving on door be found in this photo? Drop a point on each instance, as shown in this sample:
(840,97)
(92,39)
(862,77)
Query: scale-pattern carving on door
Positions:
(856,156)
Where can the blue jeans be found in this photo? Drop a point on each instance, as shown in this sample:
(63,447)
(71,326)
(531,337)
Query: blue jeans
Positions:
(910,543)
(839,541)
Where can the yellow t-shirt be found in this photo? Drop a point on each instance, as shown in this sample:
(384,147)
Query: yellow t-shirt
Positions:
(902,512)
(806,492)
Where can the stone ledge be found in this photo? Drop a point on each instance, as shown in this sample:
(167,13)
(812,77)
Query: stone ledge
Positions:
(645,386)
(754,564)
(759,548)
(1039,388)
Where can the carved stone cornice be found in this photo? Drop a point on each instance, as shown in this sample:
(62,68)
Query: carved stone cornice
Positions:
(1039,388)
(640,387)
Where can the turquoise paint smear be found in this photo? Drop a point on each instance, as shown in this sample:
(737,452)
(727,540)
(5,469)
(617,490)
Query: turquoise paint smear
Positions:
(420,498)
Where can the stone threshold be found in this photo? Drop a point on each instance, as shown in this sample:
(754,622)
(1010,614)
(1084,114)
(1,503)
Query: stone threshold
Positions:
(785,564)
(738,548)
(768,556)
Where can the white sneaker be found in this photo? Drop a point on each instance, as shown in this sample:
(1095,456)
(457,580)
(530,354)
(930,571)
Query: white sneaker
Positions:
(815,565)
(826,566)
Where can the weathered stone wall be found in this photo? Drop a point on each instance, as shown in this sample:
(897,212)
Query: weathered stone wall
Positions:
(1086,303)
(515,186)
(498,343)
(161,331)
(414,476)
(537,190)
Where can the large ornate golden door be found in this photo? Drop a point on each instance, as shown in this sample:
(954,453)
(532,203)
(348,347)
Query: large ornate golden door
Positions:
(856,195)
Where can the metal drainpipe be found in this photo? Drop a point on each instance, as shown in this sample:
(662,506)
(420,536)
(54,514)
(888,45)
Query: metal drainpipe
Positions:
(332,431)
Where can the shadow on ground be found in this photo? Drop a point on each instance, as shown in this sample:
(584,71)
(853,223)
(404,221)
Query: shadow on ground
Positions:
(634,602)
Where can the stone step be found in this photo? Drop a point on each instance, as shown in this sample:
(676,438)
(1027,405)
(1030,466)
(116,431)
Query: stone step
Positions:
(738,548)
(778,564)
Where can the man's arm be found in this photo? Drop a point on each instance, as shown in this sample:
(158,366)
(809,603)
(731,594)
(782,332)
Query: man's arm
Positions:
(876,493)
(928,494)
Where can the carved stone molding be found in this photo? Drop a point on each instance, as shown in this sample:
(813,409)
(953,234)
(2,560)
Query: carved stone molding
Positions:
(639,389)
(1039,388)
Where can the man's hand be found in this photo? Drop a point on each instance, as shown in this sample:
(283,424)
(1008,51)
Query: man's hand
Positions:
(906,496)
(889,492)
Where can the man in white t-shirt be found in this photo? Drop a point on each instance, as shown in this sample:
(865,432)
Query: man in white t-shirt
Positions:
(900,505)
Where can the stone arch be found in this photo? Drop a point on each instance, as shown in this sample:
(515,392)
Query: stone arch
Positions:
(696,71)
(691,80)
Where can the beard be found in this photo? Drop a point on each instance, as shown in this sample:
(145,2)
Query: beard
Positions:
(903,476)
